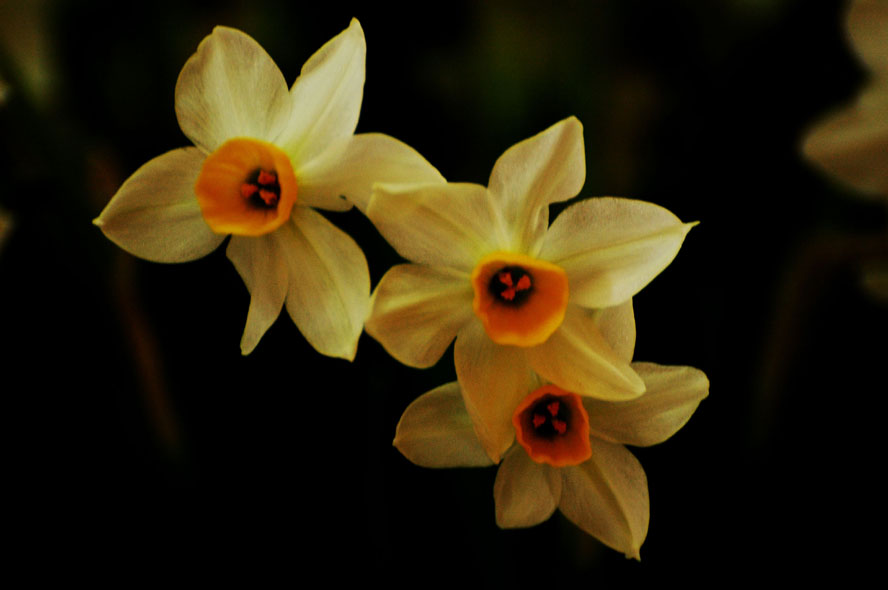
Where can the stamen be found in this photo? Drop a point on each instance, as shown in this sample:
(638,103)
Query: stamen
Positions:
(553,408)
(266,178)
(511,284)
(248,190)
(559,425)
(269,197)
(538,420)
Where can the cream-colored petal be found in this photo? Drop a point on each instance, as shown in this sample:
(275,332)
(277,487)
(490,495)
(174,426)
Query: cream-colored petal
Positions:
(263,267)
(230,88)
(546,168)
(155,214)
(329,288)
(607,496)
(852,145)
(326,97)
(578,359)
(867,26)
(436,431)
(611,248)
(672,395)
(617,326)
(526,493)
(416,312)
(450,225)
(494,380)
(352,168)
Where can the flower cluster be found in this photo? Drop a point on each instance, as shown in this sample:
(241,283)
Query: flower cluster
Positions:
(541,314)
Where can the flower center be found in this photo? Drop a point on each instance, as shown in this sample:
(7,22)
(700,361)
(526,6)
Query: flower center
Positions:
(553,427)
(511,285)
(520,300)
(246,187)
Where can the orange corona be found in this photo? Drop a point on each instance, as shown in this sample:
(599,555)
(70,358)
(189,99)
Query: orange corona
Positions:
(553,427)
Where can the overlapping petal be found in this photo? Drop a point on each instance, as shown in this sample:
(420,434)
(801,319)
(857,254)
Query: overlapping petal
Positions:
(611,248)
(354,164)
(436,431)
(546,168)
(607,496)
(578,359)
(231,88)
(672,396)
(327,96)
(329,286)
(417,312)
(526,493)
(617,327)
(867,25)
(262,265)
(155,215)
(447,225)
(494,380)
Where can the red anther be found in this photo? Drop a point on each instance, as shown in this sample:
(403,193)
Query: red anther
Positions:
(248,190)
(538,420)
(508,294)
(523,283)
(560,425)
(553,407)
(269,197)
(267,178)
(505,278)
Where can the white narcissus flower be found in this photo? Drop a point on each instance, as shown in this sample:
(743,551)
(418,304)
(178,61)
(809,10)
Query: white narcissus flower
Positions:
(852,144)
(570,452)
(265,157)
(519,296)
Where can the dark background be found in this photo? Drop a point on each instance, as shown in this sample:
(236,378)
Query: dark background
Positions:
(139,440)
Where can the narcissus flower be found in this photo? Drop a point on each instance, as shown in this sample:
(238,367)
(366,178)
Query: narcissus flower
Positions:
(265,157)
(569,453)
(852,144)
(519,296)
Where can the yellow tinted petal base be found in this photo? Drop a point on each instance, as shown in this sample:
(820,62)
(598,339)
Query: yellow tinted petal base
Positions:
(246,187)
(520,300)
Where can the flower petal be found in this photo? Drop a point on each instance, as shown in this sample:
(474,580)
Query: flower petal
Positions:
(352,168)
(451,225)
(525,492)
(417,311)
(155,214)
(329,288)
(867,23)
(672,395)
(436,431)
(548,167)
(617,326)
(230,88)
(263,267)
(607,496)
(327,96)
(852,144)
(578,359)
(611,247)
(494,380)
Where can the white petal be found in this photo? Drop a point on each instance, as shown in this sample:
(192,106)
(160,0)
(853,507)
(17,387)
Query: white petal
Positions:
(852,144)
(611,248)
(230,88)
(546,168)
(329,289)
(494,380)
(352,168)
(326,96)
(607,496)
(525,492)
(155,214)
(451,225)
(417,312)
(867,25)
(436,431)
(672,395)
(577,358)
(617,326)
(263,267)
